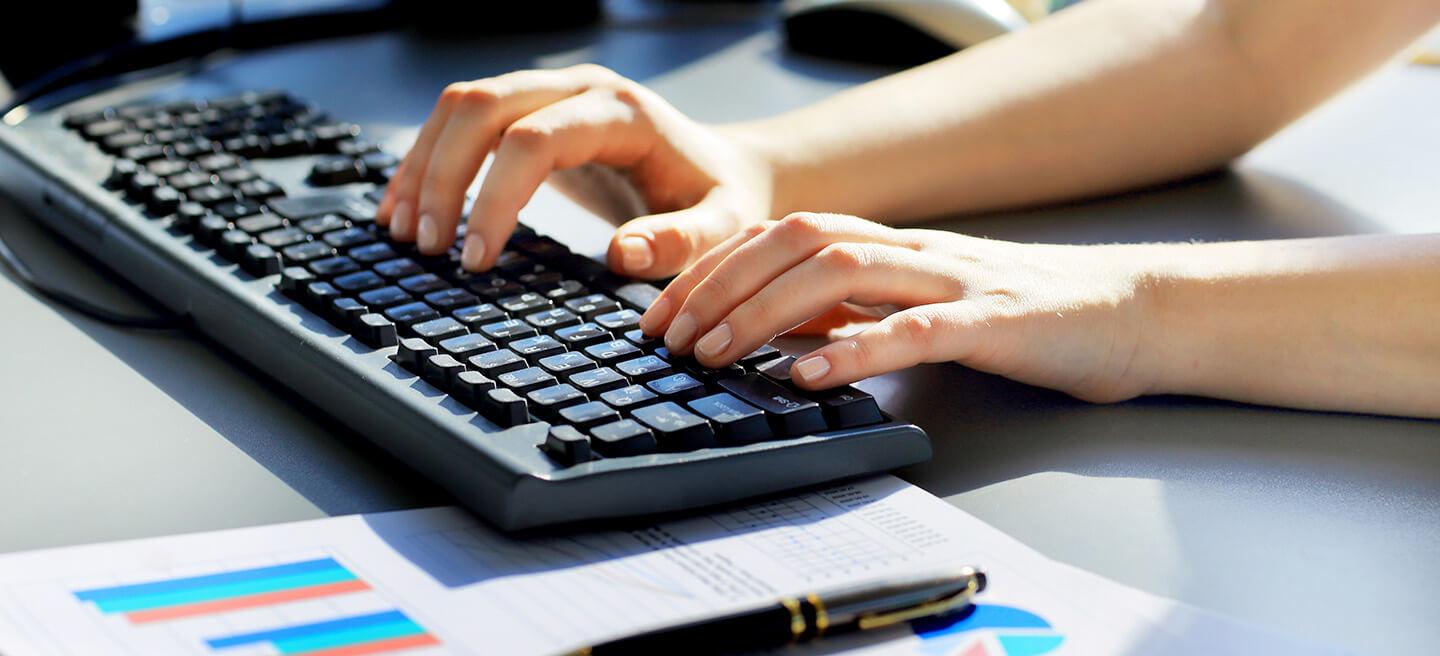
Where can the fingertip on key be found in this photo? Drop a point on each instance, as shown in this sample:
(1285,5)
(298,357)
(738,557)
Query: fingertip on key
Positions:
(472,254)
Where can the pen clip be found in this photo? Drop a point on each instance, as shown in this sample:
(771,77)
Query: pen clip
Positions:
(930,608)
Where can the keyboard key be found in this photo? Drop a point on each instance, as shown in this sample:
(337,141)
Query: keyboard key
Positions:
(284,237)
(333,266)
(505,407)
(560,290)
(320,294)
(847,407)
(423,283)
(260,260)
(218,162)
(348,237)
(619,321)
(259,189)
(258,223)
(293,281)
(622,438)
(597,381)
(736,422)
(789,414)
(344,204)
(446,300)
(552,319)
(675,428)
(567,445)
(470,387)
(359,281)
(183,181)
(375,330)
(645,368)
(413,352)
(476,315)
(385,297)
(346,311)
(626,399)
(439,369)
(233,244)
(411,313)
(306,252)
(166,168)
(583,335)
(372,253)
(503,332)
(763,354)
(562,365)
(494,363)
(524,303)
(526,380)
(332,171)
(163,201)
(323,223)
(677,387)
(638,294)
(188,215)
(535,349)
(592,305)
(777,370)
(211,194)
(709,375)
(399,268)
(613,351)
(585,416)
(437,330)
(464,346)
(638,338)
(547,402)
(234,177)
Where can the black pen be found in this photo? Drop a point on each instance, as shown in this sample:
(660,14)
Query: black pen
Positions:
(863,607)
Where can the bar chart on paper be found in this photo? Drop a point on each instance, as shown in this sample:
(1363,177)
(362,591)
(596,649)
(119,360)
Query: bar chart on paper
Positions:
(314,606)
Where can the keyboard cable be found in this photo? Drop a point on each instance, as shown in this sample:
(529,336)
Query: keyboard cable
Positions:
(167,321)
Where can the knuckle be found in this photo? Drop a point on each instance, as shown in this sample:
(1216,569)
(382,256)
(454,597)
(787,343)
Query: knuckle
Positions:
(843,258)
(917,329)
(479,96)
(712,292)
(595,71)
(802,224)
(528,135)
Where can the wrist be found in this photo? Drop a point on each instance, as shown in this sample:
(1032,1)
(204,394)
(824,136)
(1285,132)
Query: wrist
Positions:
(1171,354)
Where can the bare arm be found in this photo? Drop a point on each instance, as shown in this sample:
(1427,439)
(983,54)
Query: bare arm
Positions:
(1105,96)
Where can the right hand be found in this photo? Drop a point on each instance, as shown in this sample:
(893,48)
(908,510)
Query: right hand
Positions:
(700,184)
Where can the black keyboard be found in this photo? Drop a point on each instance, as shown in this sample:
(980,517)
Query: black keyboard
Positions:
(528,390)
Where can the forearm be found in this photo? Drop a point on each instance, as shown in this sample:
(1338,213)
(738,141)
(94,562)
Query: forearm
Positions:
(1105,96)
(1349,323)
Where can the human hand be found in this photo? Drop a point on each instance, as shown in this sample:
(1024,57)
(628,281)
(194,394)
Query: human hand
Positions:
(703,184)
(1072,318)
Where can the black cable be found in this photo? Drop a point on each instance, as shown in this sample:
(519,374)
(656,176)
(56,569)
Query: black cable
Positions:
(27,277)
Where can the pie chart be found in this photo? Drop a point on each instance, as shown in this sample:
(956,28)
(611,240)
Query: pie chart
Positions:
(989,630)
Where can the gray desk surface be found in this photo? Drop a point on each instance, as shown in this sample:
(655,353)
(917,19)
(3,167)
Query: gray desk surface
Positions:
(1249,511)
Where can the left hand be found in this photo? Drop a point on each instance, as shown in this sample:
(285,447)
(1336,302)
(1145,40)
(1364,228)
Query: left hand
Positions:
(1072,318)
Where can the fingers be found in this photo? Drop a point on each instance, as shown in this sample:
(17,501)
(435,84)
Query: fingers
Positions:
(866,274)
(467,119)
(752,265)
(929,333)
(661,245)
(599,125)
(658,315)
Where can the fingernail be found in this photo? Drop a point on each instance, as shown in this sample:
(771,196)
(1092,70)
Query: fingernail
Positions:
(715,341)
(473,252)
(426,235)
(680,333)
(812,368)
(400,220)
(658,312)
(636,253)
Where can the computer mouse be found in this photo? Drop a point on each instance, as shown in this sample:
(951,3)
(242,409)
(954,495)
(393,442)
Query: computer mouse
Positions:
(895,31)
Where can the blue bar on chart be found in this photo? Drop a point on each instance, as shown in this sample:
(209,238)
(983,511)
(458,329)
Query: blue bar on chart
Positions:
(227,591)
(362,634)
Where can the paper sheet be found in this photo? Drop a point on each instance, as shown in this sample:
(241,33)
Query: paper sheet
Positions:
(439,581)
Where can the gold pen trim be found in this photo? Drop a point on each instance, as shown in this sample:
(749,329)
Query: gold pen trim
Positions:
(927,609)
(822,617)
(797,618)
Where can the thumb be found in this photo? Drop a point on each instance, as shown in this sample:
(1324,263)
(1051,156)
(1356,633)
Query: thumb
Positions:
(662,245)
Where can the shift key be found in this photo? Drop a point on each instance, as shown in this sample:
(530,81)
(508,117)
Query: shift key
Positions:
(790,414)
